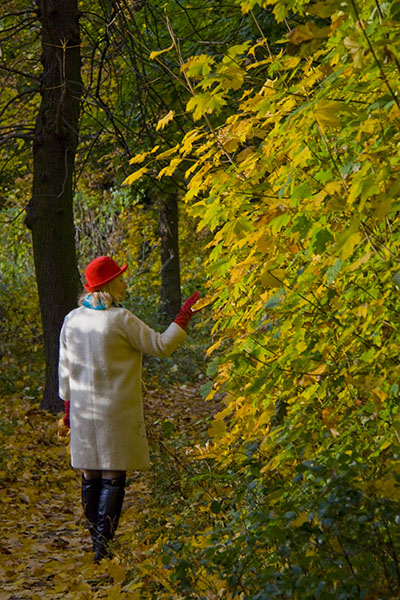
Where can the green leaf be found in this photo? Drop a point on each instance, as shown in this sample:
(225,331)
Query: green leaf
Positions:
(212,368)
(205,389)
(321,241)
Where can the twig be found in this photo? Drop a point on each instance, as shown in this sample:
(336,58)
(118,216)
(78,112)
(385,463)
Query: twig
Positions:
(207,120)
(262,34)
(378,6)
(374,54)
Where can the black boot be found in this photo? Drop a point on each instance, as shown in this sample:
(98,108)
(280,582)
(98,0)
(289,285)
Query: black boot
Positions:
(110,505)
(91,489)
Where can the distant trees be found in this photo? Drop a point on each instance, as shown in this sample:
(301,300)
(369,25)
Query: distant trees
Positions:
(93,76)
(170,264)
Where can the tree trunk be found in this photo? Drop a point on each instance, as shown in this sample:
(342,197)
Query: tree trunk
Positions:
(170,268)
(49,214)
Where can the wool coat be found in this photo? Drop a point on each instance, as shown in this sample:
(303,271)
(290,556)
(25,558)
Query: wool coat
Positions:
(100,373)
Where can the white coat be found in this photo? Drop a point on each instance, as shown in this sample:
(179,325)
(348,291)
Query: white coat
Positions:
(100,368)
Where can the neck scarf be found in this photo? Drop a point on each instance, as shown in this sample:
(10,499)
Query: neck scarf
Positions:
(87,303)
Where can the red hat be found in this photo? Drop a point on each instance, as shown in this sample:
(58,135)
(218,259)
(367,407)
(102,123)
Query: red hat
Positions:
(100,271)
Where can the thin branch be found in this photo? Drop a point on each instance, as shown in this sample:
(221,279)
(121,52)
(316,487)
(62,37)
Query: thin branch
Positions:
(17,72)
(262,34)
(207,120)
(14,136)
(17,97)
(379,9)
(361,24)
(8,221)
(374,248)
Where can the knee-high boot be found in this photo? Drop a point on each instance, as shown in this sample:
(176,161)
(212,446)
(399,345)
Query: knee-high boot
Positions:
(110,504)
(91,489)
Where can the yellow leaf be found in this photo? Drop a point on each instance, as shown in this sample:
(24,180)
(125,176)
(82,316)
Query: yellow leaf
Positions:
(306,32)
(170,168)
(265,244)
(362,310)
(318,198)
(333,187)
(302,157)
(203,302)
(231,144)
(326,114)
(217,429)
(290,62)
(361,261)
(388,487)
(237,274)
(349,239)
(273,280)
(134,176)
(319,370)
(214,347)
(335,60)
(356,51)
(166,119)
(138,158)
(116,572)
(350,244)
(156,53)
(205,103)
(245,154)
(394,113)
(381,206)
(188,141)
(302,518)
(167,153)
(323,8)
(264,418)
(199,64)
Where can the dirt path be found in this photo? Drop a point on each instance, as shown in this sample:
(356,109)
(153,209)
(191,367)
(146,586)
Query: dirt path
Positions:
(44,547)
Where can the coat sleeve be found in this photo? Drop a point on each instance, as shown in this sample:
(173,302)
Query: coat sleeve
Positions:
(145,339)
(63,368)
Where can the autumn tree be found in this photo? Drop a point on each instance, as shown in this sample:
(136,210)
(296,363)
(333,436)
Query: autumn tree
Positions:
(51,28)
(295,171)
(49,214)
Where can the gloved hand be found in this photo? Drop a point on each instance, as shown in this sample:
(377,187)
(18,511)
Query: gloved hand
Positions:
(186,312)
(62,430)
(63,423)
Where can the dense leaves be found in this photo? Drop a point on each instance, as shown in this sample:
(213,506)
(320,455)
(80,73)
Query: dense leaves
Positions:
(299,184)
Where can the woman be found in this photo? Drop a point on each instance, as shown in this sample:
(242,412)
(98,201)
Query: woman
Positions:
(100,369)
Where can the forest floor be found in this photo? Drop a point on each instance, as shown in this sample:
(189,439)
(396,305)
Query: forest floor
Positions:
(45,550)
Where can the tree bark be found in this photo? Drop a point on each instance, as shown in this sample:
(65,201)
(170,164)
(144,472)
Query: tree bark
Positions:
(49,214)
(170,267)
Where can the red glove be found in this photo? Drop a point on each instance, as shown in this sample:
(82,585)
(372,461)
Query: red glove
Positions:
(63,423)
(186,312)
(66,415)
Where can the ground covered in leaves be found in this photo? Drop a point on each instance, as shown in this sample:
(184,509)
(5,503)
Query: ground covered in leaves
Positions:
(44,547)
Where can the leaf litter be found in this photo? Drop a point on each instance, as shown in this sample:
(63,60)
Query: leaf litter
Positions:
(45,549)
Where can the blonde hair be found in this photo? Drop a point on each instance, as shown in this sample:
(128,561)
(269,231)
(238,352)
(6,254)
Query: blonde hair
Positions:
(105,296)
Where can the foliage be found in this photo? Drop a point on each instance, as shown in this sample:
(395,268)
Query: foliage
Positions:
(20,328)
(298,182)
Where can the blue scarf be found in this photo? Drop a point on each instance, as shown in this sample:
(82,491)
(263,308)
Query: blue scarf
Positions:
(88,304)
